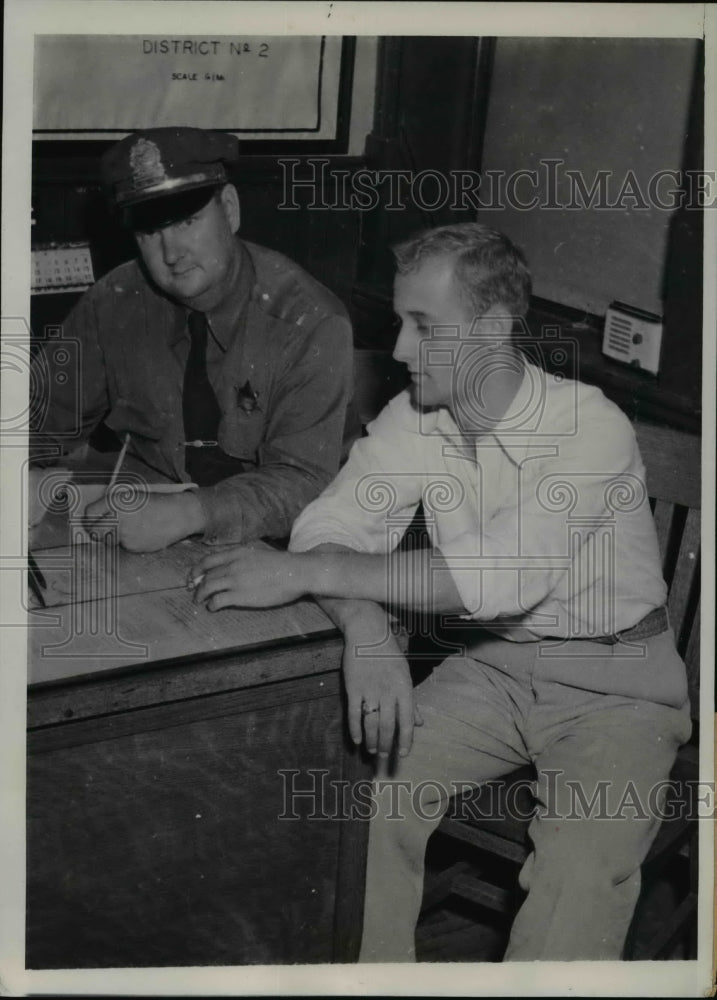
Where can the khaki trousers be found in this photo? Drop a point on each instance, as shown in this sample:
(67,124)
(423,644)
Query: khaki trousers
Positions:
(600,723)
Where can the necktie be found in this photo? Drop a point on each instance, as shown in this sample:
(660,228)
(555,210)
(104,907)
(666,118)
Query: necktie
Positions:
(206,463)
(199,404)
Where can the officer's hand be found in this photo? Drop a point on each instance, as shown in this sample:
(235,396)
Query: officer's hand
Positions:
(156,521)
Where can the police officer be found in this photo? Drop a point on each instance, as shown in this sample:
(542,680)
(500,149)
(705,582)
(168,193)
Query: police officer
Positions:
(226,364)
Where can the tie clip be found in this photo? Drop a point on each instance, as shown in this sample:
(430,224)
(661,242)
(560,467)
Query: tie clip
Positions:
(200,444)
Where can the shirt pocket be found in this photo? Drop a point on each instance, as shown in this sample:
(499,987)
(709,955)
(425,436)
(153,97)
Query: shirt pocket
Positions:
(241,434)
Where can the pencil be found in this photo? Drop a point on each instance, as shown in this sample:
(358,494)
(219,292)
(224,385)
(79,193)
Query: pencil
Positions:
(118,464)
(36,579)
(32,565)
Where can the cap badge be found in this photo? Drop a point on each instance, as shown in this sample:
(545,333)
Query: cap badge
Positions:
(145,161)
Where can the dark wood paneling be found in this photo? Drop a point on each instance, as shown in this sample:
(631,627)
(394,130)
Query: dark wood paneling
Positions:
(163,845)
(323,241)
(351,867)
(430,113)
(116,726)
(141,688)
(681,356)
(641,395)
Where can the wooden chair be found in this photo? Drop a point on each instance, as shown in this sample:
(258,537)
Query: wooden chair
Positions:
(485,850)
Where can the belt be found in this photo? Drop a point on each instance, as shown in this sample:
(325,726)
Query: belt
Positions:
(654,623)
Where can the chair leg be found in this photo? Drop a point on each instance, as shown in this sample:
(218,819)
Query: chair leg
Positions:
(678,928)
(442,885)
(681,926)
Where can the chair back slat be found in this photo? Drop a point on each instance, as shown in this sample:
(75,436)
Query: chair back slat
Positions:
(683,580)
(673,463)
(692,662)
(673,470)
(663,514)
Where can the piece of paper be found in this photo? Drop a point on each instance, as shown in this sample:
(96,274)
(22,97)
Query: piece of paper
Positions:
(88,638)
(108,608)
(95,571)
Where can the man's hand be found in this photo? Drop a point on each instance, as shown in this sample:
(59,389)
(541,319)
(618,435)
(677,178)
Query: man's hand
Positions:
(381,705)
(249,578)
(162,520)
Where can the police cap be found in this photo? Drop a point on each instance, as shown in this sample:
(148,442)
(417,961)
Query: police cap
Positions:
(160,173)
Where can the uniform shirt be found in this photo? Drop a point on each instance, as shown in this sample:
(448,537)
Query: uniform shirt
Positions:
(544,523)
(281,332)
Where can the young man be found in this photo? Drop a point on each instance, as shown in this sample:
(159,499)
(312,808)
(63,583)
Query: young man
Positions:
(534,499)
(226,363)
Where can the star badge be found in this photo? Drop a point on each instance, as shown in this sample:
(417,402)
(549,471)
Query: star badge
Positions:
(247,398)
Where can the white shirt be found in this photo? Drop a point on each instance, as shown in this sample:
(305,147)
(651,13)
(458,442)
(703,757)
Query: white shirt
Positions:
(545,524)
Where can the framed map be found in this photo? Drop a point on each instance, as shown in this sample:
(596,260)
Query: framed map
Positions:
(267,88)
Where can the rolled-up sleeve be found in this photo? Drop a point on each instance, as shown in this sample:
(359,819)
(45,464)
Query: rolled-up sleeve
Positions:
(301,448)
(372,500)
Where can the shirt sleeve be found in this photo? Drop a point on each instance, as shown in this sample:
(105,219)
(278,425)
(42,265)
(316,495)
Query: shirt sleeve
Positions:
(370,504)
(302,445)
(68,386)
(541,542)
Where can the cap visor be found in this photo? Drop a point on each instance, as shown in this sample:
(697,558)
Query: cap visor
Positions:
(147,216)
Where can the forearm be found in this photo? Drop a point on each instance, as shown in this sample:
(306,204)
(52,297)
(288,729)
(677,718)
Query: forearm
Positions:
(260,503)
(353,617)
(364,624)
(189,513)
(417,580)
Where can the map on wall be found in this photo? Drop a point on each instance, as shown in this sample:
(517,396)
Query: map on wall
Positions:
(96,86)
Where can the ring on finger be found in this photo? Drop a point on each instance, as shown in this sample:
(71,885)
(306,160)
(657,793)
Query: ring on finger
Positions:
(365,710)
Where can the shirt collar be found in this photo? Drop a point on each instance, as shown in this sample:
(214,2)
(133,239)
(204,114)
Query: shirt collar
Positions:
(224,320)
(516,430)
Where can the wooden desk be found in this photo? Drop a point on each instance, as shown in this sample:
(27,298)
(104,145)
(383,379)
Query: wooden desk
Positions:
(154,799)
